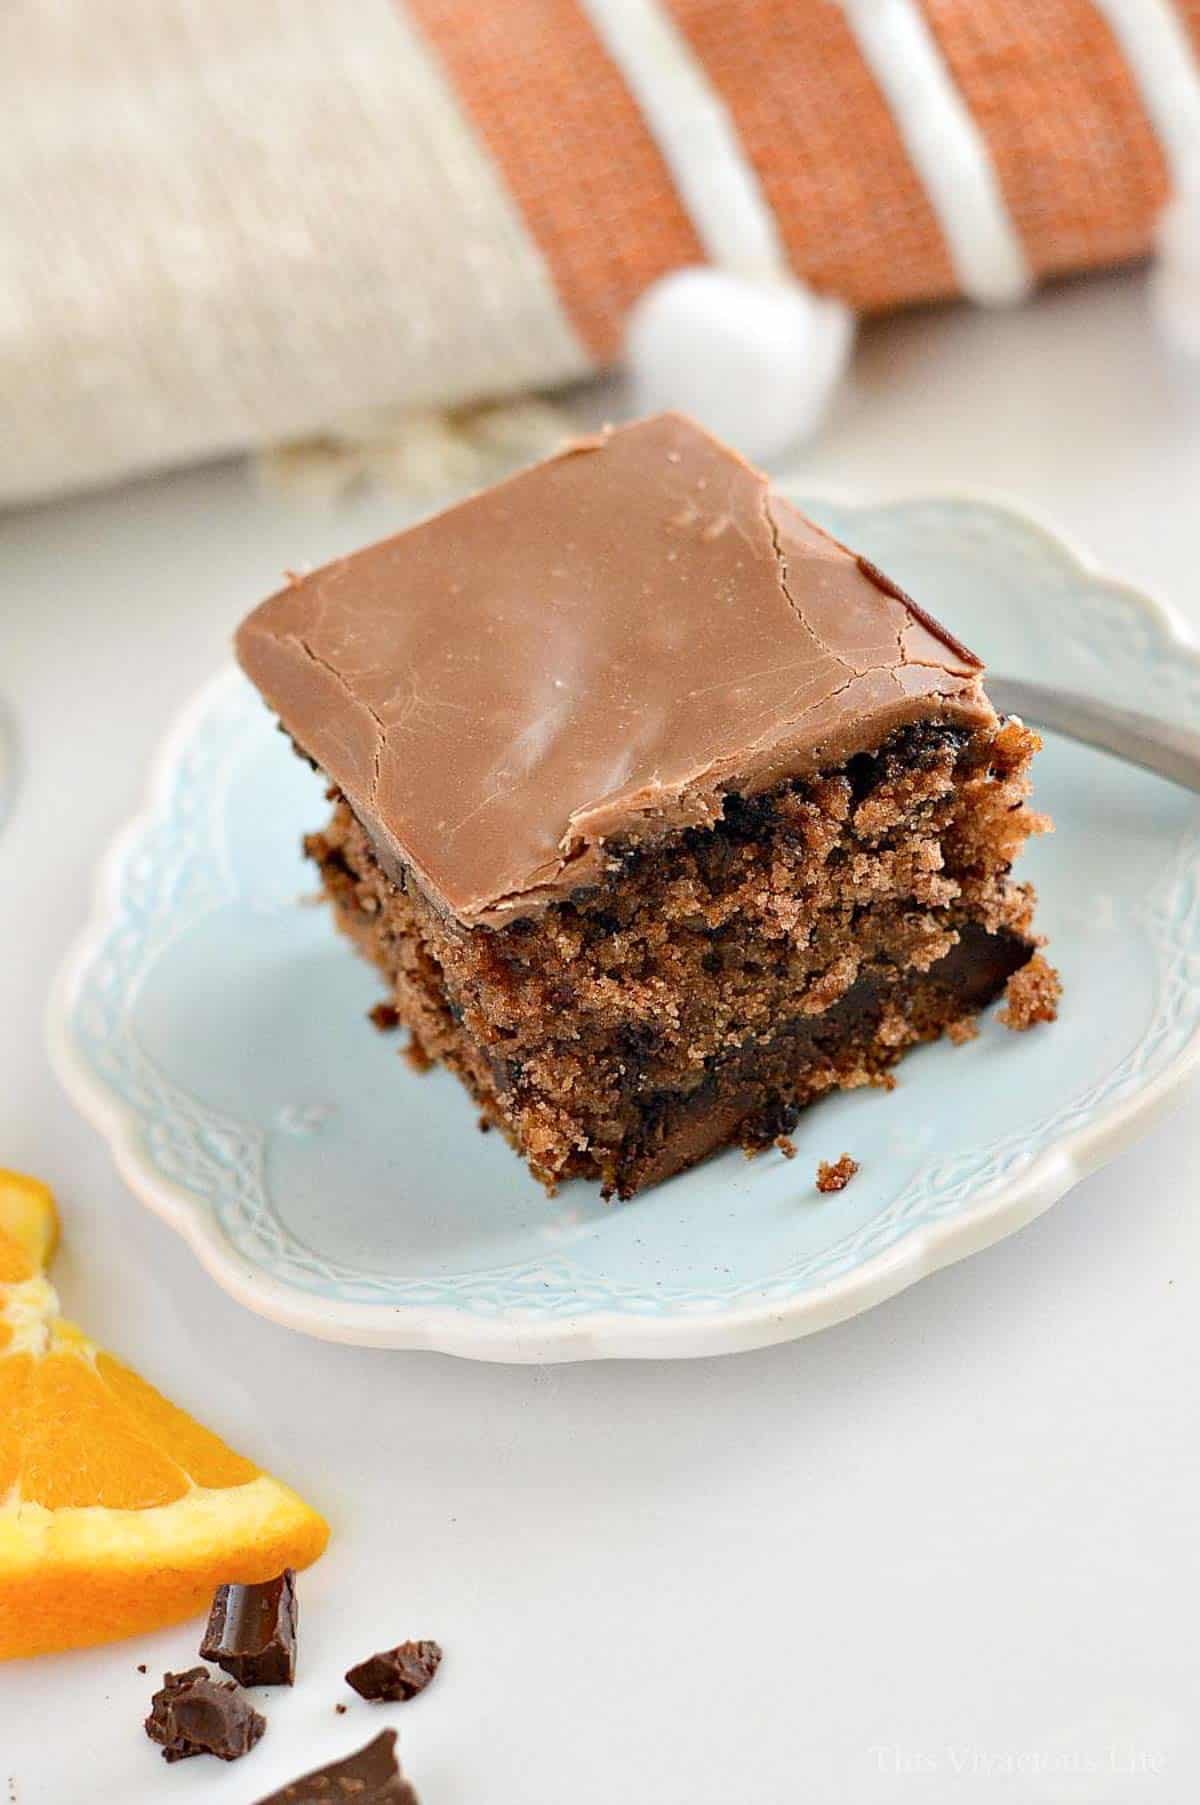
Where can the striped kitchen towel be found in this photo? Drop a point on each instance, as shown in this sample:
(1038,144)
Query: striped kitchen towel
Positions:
(228,223)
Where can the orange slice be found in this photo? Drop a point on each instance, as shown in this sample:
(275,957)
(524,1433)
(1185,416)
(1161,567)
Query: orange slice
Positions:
(119,1513)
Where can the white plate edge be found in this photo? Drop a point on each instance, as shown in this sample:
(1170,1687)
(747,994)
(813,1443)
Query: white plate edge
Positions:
(511,1337)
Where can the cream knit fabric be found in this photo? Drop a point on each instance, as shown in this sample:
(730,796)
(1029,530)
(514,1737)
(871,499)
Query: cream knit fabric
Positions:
(226,222)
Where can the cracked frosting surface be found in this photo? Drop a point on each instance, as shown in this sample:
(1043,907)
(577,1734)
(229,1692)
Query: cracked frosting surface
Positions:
(595,651)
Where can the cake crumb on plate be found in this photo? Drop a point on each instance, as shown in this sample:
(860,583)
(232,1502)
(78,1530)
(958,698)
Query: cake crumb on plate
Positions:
(964,1029)
(1031,995)
(836,1176)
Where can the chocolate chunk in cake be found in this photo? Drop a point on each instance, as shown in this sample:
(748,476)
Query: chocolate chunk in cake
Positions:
(661,813)
(835,1175)
(194,1714)
(371,1777)
(251,1632)
(397,1674)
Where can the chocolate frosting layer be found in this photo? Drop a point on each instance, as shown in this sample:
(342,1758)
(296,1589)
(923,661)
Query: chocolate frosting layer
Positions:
(592,652)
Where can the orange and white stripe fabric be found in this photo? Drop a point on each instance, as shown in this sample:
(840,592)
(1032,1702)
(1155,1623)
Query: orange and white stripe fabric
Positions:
(232,221)
(1032,107)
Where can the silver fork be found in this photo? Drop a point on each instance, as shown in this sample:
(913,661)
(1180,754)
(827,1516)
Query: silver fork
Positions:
(1159,746)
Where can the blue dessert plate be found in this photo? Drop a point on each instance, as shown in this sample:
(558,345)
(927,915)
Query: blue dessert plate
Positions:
(212,1026)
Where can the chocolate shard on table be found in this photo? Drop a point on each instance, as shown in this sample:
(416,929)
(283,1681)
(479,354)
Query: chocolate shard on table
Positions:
(371,1777)
(661,813)
(251,1632)
(193,1714)
(396,1674)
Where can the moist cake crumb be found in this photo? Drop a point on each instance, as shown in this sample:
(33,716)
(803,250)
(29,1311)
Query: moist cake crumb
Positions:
(710,989)
(385,1016)
(836,1176)
(964,1029)
(786,1145)
(1031,995)
(415,1053)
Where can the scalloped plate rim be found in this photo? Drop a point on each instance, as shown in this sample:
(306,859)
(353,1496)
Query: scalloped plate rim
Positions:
(517,1336)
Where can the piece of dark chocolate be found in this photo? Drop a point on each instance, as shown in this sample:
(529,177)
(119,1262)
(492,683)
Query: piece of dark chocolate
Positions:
(397,1673)
(371,1777)
(251,1632)
(194,1714)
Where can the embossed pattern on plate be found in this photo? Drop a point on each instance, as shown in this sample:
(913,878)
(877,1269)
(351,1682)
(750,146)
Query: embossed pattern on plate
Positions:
(212,1027)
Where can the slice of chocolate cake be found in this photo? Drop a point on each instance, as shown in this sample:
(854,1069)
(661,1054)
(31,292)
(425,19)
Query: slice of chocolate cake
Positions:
(660,812)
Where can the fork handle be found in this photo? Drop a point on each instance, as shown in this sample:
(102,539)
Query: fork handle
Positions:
(1159,746)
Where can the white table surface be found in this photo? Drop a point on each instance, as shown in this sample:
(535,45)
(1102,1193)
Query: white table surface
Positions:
(945,1552)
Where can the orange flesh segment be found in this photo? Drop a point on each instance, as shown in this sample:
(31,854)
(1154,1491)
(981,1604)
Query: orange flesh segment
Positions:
(28,1219)
(15,1264)
(15,1373)
(173,1432)
(82,1447)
